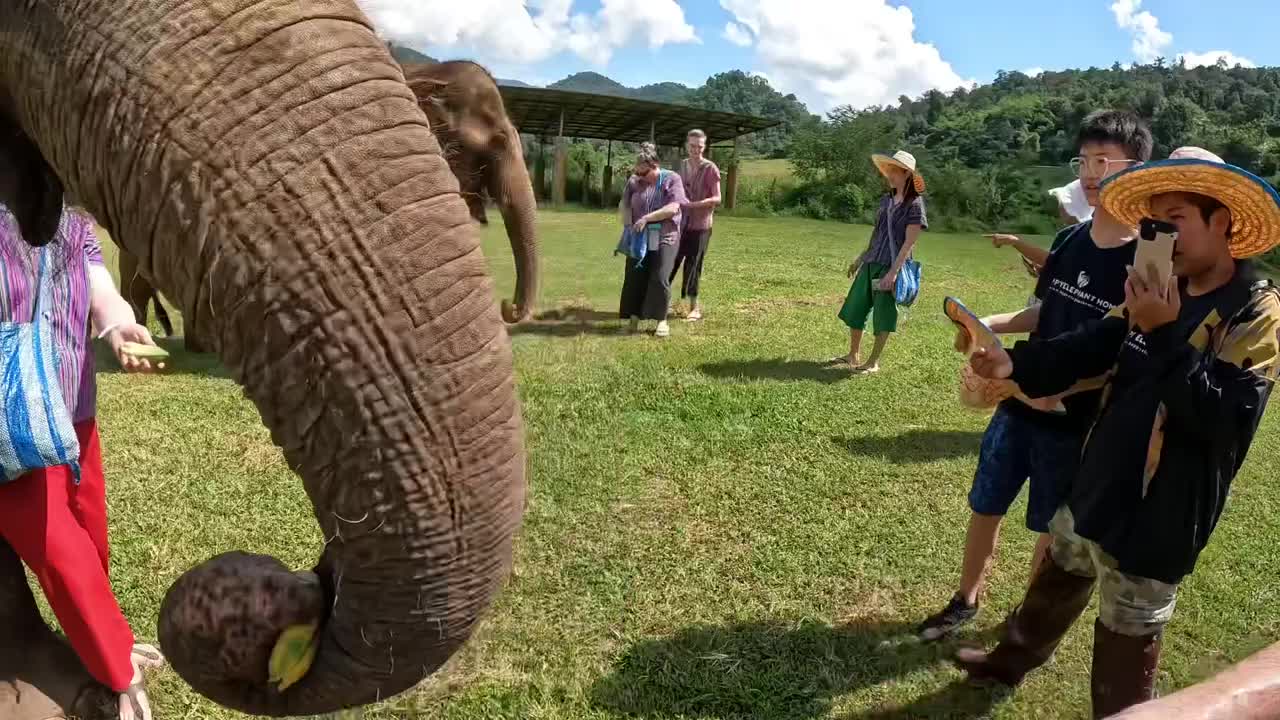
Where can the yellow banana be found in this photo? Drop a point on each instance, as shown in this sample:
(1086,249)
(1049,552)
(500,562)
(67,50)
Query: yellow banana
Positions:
(139,350)
(292,655)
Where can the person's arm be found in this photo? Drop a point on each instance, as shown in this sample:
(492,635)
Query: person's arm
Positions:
(111,317)
(625,205)
(1014,323)
(913,234)
(1050,366)
(1034,253)
(675,198)
(1249,690)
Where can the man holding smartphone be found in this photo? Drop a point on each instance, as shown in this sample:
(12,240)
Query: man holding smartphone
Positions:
(1189,366)
(1082,279)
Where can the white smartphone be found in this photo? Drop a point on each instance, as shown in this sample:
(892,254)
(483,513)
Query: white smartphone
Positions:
(1156,241)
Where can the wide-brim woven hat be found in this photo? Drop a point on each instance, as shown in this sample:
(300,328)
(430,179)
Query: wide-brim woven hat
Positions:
(1254,204)
(901,159)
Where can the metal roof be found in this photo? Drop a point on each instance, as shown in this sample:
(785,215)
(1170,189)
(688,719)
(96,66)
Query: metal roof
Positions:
(537,111)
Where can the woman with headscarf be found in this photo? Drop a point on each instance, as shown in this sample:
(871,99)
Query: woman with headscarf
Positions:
(651,232)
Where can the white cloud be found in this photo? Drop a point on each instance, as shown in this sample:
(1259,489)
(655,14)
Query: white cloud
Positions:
(1149,41)
(1211,58)
(737,34)
(836,52)
(529,31)
(1033,71)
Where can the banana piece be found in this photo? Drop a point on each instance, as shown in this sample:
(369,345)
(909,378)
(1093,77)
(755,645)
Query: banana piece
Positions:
(139,350)
(292,655)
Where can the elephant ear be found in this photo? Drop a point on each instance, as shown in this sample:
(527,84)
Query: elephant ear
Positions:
(29,187)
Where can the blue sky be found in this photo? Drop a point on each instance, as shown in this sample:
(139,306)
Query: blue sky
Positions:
(828,52)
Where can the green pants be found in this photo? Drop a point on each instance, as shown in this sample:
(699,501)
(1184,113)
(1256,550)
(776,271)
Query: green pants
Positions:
(864,299)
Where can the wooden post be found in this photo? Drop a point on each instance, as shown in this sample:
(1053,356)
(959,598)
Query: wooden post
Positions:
(540,172)
(731,183)
(586,185)
(606,182)
(562,158)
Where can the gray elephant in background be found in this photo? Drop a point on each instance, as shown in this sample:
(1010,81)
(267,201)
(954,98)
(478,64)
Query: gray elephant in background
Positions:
(268,165)
(470,121)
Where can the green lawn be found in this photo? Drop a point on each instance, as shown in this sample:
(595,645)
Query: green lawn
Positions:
(719,526)
(766,169)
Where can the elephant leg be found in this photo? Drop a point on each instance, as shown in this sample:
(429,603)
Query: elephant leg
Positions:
(40,675)
(162,315)
(136,288)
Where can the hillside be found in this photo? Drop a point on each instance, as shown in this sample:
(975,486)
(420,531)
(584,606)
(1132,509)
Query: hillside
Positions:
(593,82)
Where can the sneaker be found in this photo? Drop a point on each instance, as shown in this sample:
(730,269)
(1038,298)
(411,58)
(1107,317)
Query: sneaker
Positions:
(663,329)
(956,613)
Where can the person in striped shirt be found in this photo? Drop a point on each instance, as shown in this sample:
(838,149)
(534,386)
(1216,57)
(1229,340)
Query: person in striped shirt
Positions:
(59,527)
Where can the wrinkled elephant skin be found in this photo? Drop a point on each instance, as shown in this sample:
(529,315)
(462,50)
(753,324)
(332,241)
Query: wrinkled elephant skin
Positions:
(269,167)
(470,121)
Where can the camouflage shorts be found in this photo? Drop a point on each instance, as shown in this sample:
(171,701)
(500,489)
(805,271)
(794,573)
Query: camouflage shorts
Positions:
(1129,605)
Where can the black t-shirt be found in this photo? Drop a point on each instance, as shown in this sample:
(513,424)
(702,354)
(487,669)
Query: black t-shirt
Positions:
(1079,282)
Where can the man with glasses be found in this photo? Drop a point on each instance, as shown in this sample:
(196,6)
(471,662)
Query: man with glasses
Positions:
(1082,279)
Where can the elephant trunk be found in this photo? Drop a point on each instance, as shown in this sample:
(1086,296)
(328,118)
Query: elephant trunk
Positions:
(272,173)
(512,190)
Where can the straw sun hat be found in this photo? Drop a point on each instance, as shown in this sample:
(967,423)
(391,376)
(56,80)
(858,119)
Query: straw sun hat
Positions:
(1254,204)
(901,159)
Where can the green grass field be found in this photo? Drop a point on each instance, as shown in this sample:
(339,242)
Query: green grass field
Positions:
(719,526)
(766,169)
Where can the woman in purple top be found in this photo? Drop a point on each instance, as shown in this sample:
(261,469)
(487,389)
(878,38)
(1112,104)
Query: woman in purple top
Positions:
(646,283)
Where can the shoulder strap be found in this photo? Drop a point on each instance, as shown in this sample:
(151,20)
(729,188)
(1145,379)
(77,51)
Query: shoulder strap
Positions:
(655,201)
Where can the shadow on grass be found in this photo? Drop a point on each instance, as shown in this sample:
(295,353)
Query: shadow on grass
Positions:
(771,670)
(777,369)
(179,362)
(568,322)
(914,446)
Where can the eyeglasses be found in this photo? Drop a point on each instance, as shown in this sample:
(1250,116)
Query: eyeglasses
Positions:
(1099,167)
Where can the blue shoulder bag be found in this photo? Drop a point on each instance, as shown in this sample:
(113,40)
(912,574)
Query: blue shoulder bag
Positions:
(907,287)
(35,425)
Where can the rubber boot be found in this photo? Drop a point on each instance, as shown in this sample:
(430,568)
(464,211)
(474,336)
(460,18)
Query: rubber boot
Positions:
(1124,670)
(1032,632)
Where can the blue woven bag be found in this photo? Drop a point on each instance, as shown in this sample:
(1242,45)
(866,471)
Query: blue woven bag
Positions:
(35,425)
(907,287)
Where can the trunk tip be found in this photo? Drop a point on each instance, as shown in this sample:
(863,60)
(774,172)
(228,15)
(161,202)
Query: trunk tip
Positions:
(513,314)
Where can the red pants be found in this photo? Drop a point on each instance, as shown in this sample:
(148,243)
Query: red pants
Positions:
(59,529)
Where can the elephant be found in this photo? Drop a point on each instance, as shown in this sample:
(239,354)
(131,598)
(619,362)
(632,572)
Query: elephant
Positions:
(270,168)
(464,106)
(140,294)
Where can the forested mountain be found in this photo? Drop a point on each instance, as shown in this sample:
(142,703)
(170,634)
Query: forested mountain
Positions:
(990,152)
(733,91)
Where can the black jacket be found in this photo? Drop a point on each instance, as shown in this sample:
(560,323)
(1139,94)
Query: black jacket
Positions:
(1176,418)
